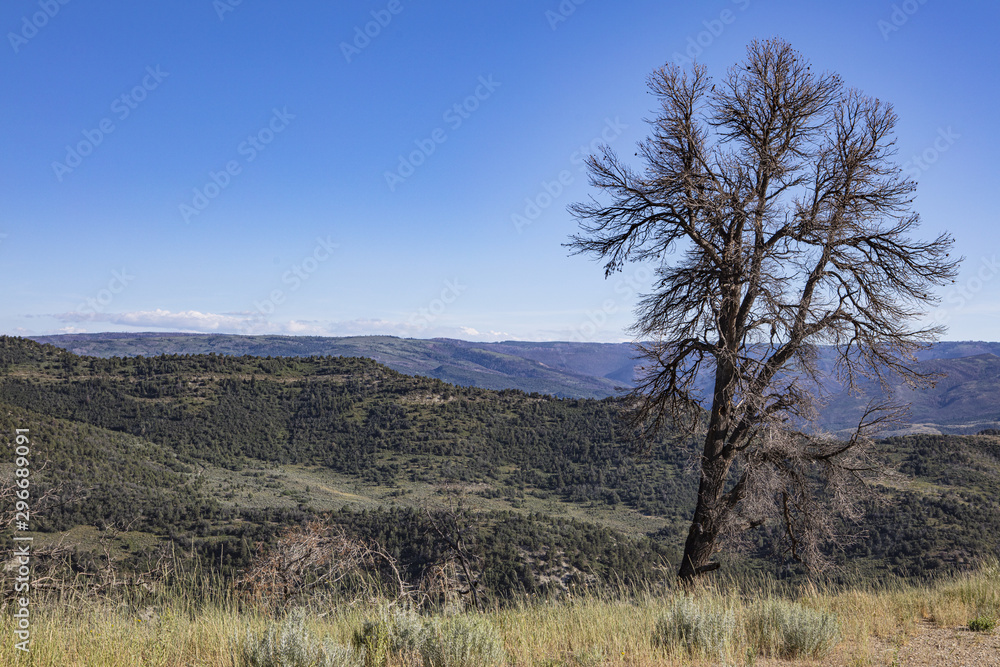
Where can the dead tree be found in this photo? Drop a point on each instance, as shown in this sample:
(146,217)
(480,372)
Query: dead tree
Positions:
(319,553)
(779,224)
(460,567)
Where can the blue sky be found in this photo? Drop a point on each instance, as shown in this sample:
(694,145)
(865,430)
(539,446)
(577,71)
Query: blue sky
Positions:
(358,167)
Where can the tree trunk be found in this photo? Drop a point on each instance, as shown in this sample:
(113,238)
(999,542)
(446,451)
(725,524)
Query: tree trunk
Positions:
(700,544)
(715,462)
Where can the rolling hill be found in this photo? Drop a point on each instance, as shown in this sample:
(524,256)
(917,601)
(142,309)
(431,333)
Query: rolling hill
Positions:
(570,370)
(215,454)
(966,399)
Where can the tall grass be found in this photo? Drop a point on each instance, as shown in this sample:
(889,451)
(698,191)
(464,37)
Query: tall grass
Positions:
(208,625)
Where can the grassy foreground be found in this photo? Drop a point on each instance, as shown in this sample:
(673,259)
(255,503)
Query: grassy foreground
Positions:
(735,623)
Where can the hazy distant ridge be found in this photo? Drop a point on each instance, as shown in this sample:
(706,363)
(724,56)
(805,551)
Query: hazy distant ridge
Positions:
(570,370)
(965,400)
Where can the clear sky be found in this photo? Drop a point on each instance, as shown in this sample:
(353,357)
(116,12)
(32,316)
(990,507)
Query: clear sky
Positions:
(399,167)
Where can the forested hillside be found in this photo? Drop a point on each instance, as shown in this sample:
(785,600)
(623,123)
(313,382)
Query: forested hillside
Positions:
(215,454)
(965,400)
(574,370)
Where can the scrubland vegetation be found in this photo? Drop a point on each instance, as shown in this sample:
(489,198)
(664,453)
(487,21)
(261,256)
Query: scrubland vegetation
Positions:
(735,622)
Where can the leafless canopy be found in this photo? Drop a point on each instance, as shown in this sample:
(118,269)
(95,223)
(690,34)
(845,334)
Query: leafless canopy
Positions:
(780,223)
(317,554)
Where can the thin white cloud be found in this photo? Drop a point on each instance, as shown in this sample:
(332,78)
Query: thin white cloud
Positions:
(193,321)
(188,320)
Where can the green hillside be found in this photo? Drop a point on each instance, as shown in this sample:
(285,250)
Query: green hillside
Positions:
(213,455)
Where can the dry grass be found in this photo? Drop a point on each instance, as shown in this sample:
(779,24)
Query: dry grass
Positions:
(574,632)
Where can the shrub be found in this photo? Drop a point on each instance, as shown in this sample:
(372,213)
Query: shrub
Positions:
(790,630)
(453,641)
(982,624)
(397,632)
(699,630)
(807,632)
(462,641)
(290,644)
(407,632)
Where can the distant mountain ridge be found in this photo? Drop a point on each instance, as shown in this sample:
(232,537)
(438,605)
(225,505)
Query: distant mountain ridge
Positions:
(966,399)
(566,370)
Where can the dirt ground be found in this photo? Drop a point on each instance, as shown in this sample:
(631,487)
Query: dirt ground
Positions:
(930,646)
(942,647)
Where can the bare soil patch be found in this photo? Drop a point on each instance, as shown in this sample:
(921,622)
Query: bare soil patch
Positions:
(933,646)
